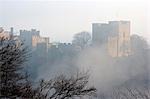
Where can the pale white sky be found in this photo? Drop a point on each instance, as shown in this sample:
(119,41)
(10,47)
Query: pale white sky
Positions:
(61,19)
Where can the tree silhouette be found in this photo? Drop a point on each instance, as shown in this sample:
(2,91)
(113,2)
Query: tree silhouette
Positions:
(13,81)
(82,39)
(63,87)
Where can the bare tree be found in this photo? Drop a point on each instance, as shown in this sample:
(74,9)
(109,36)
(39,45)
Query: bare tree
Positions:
(13,82)
(138,44)
(63,87)
(82,39)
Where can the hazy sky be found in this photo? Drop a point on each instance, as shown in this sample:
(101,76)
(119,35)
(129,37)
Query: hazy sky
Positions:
(61,19)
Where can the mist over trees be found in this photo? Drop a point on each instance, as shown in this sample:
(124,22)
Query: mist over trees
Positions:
(131,72)
(60,55)
(16,83)
(65,56)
